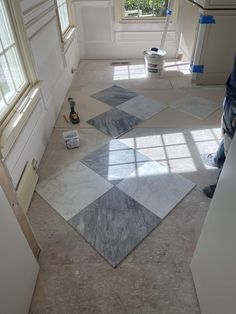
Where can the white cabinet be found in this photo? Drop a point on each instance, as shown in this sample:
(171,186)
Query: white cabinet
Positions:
(207,39)
(215,46)
(214,4)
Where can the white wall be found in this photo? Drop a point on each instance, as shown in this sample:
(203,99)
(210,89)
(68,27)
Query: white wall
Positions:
(101,37)
(214,259)
(18,266)
(53,66)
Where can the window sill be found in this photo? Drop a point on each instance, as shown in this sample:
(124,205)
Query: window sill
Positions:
(143,20)
(68,37)
(13,128)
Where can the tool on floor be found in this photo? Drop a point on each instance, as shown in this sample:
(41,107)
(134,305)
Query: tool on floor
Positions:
(66,119)
(74,115)
(155,57)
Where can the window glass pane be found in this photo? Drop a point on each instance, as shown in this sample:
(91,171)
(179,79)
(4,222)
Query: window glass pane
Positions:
(5,31)
(131,8)
(2,103)
(60,2)
(12,75)
(145,8)
(6,84)
(16,68)
(160,7)
(63,15)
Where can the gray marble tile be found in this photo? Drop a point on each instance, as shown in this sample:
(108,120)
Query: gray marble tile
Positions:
(153,186)
(114,161)
(197,107)
(142,107)
(72,189)
(114,95)
(114,122)
(114,225)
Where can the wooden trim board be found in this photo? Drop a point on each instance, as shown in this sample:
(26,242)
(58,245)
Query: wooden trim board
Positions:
(10,192)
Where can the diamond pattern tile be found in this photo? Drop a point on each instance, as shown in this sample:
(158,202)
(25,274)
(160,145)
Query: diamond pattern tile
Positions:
(72,189)
(114,122)
(114,95)
(153,186)
(114,161)
(114,225)
(142,107)
(195,106)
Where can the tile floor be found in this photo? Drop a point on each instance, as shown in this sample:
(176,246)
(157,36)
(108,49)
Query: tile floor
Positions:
(114,95)
(114,161)
(114,122)
(77,191)
(196,106)
(155,277)
(114,224)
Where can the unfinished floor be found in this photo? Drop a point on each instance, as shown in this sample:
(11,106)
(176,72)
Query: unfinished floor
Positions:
(155,277)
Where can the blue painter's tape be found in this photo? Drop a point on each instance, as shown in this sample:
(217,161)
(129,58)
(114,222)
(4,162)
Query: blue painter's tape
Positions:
(197,68)
(169,12)
(206,19)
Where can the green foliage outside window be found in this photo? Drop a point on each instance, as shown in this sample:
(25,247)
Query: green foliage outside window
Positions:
(145,8)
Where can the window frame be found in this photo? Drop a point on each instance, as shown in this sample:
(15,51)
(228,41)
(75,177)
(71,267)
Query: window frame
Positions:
(15,99)
(13,119)
(66,34)
(119,8)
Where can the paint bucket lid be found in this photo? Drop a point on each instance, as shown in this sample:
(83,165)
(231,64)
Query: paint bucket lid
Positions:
(155,52)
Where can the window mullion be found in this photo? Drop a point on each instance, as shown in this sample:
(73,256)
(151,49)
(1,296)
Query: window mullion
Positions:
(9,47)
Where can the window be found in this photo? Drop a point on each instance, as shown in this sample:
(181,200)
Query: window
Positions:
(143,9)
(13,78)
(19,88)
(64,14)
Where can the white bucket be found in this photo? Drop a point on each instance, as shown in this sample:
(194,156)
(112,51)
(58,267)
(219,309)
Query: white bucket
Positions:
(154,62)
(71,139)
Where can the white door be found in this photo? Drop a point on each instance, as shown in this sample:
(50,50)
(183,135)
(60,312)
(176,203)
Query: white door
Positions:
(18,267)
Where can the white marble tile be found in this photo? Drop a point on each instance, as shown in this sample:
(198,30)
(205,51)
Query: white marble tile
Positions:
(72,189)
(206,134)
(196,106)
(142,107)
(155,188)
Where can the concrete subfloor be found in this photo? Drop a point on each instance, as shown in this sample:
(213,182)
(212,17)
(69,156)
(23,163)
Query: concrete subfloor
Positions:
(155,277)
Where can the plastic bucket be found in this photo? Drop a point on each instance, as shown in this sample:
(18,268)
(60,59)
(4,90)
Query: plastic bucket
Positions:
(71,139)
(154,62)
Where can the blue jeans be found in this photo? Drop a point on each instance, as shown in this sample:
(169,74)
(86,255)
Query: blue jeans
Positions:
(229,114)
(219,158)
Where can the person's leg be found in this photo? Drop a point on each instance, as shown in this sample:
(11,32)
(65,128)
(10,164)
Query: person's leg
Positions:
(209,190)
(219,157)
